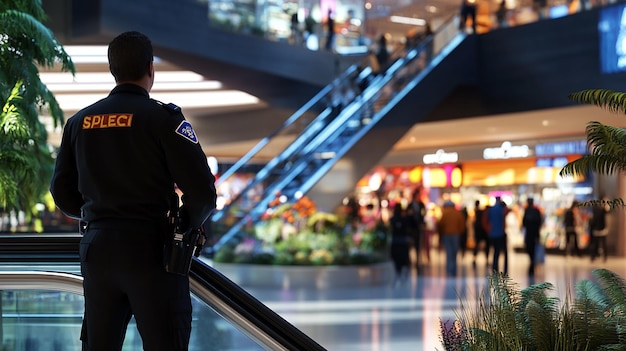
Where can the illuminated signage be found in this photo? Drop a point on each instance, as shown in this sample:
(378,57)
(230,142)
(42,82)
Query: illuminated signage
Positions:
(440,157)
(574,147)
(506,150)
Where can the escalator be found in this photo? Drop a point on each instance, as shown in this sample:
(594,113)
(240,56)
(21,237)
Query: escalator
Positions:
(42,304)
(314,144)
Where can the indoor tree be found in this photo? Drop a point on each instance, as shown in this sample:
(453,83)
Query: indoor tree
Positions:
(606,144)
(26,45)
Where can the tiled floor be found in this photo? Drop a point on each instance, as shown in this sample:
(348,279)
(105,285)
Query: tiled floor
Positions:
(406,317)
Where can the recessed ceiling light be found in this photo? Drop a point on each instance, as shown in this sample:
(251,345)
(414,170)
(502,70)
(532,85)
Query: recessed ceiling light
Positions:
(408,20)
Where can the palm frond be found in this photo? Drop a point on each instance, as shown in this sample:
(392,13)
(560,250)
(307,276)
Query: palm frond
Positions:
(612,204)
(607,99)
(607,146)
(31,39)
(33,7)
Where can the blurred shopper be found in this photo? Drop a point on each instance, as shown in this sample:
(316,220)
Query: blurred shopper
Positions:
(417,213)
(330,31)
(310,33)
(599,231)
(540,7)
(468,10)
(400,243)
(494,222)
(382,54)
(572,222)
(296,35)
(480,234)
(531,222)
(463,243)
(451,225)
(502,14)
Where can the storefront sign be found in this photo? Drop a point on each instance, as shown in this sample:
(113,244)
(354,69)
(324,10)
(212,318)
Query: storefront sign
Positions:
(557,162)
(440,157)
(506,151)
(574,147)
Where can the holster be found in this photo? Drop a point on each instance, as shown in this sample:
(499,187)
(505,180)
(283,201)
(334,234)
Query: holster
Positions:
(179,251)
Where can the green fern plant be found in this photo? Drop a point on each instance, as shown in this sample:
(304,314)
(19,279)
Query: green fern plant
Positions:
(507,318)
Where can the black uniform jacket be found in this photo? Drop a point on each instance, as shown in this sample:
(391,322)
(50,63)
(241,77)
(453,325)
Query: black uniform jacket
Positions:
(120,158)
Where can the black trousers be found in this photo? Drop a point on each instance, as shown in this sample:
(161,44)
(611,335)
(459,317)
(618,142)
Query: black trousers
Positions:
(499,246)
(531,249)
(124,276)
(598,243)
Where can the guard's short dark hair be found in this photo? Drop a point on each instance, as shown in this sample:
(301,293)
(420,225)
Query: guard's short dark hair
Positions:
(130,54)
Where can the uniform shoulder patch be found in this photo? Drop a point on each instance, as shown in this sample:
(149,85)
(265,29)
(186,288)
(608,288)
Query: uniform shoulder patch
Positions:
(185,130)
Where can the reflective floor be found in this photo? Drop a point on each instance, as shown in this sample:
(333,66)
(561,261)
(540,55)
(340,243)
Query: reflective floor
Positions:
(405,317)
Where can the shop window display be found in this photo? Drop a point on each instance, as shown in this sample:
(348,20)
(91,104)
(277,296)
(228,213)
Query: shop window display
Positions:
(552,196)
(272,19)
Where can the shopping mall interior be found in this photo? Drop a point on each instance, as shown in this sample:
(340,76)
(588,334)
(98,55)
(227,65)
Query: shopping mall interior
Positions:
(462,115)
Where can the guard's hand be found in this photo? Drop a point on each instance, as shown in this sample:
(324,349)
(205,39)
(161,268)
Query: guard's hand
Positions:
(200,243)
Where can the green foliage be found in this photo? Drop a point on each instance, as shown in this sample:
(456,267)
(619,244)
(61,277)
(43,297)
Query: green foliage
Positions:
(25,158)
(298,234)
(308,248)
(225,254)
(530,319)
(19,157)
(613,101)
(606,144)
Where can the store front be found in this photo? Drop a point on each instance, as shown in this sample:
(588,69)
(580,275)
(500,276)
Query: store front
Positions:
(301,22)
(513,171)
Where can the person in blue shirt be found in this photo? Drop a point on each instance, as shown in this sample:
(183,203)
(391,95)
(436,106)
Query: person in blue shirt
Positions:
(495,224)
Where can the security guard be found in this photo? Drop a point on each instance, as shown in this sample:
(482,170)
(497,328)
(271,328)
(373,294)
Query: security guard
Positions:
(119,162)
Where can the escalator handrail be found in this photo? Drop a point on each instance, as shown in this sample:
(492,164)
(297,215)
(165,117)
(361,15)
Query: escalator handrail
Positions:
(248,306)
(233,303)
(41,280)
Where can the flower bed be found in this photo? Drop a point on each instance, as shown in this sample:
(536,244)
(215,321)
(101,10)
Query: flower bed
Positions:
(298,235)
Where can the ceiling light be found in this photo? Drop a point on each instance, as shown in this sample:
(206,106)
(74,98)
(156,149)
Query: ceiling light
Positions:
(187,99)
(106,77)
(408,20)
(60,88)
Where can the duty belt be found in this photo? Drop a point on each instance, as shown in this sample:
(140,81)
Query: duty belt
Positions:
(125,224)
